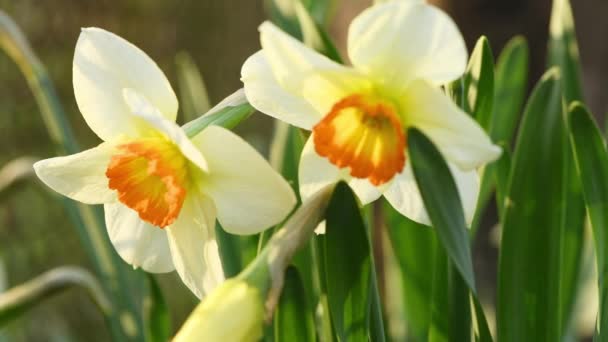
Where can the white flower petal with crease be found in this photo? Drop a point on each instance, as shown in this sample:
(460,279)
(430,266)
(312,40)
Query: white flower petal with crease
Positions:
(138,243)
(189,240)
(315,172)
(105,64)
(80,176)
(248,194)
(141,107)
(400,41)
(266,95)
(459,138)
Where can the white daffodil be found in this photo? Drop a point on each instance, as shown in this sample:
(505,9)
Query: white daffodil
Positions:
(401,53)
(161,191)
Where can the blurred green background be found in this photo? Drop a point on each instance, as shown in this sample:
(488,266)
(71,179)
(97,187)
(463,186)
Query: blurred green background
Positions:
(35,234)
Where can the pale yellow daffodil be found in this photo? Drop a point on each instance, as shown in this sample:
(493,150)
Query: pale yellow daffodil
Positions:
(401,53)
(161,191)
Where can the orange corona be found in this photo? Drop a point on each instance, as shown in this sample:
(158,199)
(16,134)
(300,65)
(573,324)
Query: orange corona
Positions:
(149,176)
(365,135)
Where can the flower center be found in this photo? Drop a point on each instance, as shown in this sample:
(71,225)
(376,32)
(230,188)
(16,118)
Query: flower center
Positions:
(365,135)
(150,177)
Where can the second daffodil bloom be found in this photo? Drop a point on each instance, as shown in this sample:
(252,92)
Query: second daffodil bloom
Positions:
(401,53)
(161,191)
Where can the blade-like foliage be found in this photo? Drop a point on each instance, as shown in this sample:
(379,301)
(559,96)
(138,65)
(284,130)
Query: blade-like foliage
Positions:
(347,267)
(563,53)
(193,96)
(293,320)
(529,280)
(592,164)
(414,245)
(479,84)
(442,202)
(158,319)
(509,89)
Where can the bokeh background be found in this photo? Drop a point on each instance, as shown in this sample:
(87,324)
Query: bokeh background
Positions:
(35,234)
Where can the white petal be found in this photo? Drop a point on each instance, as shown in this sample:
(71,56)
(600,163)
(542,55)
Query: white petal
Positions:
(81,176)
(104,64)
(365,191)
(399,41)
(403,194)
(266,95)
(316,172)
(137,242)
(286,66)
(193,246)
(459,138)
(141,107)
(249,195)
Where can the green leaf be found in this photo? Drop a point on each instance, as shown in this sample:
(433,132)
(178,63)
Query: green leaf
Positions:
(313,35)
(563,49)
(193,96)
(15,172)
(414,246)
(592,165)
(483,333)
(158,319)
(285,150)
(563,53)
(18,300)
(479,84)
(303,19)
(442,202)
(509,90)
(227,117)
(529,279)
(293,320)
(451,310)
(502,169)
(347,266)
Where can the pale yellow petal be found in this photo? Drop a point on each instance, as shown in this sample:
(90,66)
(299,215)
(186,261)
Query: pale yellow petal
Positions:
(459,138)
(105,64)
(399,41)
(193,247)
(249,195)
(138,243)
(81,176)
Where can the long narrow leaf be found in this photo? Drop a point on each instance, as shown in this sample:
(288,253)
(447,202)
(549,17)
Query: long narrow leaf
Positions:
(442,202)
(18,300)
(158,319)
(193,99)
(414,245)
(479,83)
(293,320)
(530,256)
(592,164)
(509,89)
(563,53)
(347,267)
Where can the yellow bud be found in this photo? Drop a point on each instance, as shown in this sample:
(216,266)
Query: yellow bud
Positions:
(232,312)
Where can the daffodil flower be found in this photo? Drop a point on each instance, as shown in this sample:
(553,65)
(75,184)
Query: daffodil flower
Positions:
(161,191)
(401,53)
